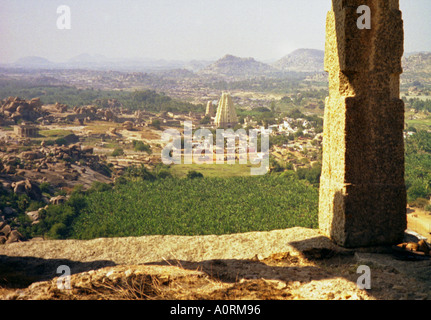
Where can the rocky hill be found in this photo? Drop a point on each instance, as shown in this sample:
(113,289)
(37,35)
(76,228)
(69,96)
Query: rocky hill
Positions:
(33,62)
(416,70)
(232,66)
(417,62)
(302,60)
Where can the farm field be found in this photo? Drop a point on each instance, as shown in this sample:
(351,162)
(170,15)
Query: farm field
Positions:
(173,206)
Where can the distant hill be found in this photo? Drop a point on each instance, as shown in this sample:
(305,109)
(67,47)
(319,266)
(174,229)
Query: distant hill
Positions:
(196,65)
(232,66)
(33,62)
(87,58)
(417,62)
(302,60)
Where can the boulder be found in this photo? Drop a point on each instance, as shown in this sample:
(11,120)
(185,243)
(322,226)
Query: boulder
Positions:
(35,103)
(58,200)
(33,215)
(31,155)
(27,187)
(6,230)
(19,187)
(9,169)
(14,236)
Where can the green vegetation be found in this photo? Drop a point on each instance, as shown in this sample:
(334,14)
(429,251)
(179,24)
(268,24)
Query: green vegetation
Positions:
(156,124)
(58,136)
(71,96)
(418,168)
(149,203)
(197,206)
(213,170)
(58,133)
(141,146)
(117,152)
(419,104)
(194,174)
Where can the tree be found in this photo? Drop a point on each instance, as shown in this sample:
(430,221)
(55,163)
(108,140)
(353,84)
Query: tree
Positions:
(192,174)
(205,120)
(156,124)
(141,146)
(117,152)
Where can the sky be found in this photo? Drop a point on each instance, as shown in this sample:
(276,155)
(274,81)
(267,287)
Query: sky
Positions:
(179,29)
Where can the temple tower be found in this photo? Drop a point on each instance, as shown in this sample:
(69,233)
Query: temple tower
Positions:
(226,114)
(210,109)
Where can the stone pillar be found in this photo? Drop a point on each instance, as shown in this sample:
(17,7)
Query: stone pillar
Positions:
(362,191)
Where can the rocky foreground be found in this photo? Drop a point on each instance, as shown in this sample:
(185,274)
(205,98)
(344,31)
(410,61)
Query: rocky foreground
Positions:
(295,263)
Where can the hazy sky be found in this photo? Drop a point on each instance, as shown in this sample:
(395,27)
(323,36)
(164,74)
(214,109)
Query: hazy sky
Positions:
(180,29)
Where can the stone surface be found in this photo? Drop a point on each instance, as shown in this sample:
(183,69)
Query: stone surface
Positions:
(295,263)
(362,190)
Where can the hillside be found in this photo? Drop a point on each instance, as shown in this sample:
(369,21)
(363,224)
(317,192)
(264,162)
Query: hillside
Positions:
(232,66)
(33,62)
(418,62)
(302,60)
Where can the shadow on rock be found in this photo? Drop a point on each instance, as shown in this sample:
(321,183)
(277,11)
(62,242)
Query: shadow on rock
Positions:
(20,272)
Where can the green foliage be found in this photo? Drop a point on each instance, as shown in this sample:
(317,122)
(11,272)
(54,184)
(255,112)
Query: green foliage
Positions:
(61,142)
(141,146)
(312,174)
(99,187)
(147,99)
(418,165)
(139,172)
(192,174)
(280,140)
(156,124)
(163,174)
(117,152)
(197,206)
(56,220)
(45,187)
(420,105)
(205,120)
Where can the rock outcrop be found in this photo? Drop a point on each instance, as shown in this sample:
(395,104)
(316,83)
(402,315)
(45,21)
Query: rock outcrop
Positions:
(16,109)
(7,234)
